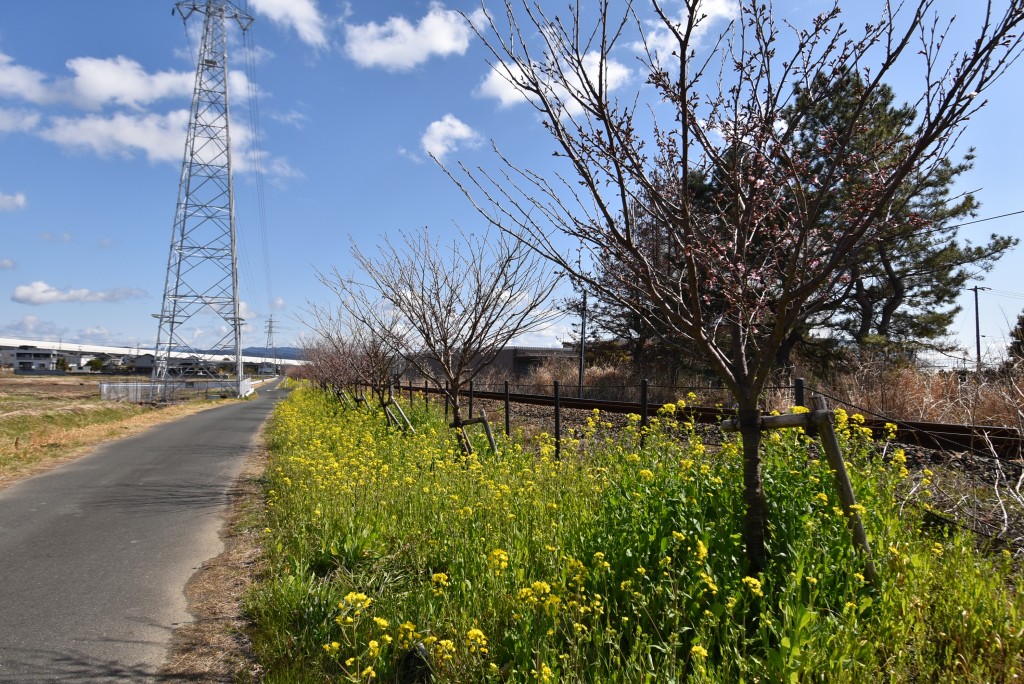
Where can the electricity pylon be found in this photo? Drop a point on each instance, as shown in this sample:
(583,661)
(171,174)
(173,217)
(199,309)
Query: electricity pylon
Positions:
(271,346)
(202,270)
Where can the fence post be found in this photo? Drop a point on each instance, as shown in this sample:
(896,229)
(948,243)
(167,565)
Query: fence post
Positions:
(830,445)
(446,401)
(470,398)
(426,393)
(558,424)
(798,392)
(410,391)
(507,430)
(643,402)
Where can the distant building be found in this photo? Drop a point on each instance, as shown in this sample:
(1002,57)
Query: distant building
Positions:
(517,362)
(30,358)
(141,364)
(77,360)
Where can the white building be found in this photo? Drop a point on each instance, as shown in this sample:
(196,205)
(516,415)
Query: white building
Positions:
(29,358)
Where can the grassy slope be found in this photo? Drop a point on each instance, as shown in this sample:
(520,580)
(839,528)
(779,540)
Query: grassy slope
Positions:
(621,562)
(44,421)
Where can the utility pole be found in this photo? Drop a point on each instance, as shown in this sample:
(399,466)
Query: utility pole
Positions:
(202,268)
(583,340)
(977,324)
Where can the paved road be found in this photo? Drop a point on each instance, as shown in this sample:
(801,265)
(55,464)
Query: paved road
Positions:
(94,555)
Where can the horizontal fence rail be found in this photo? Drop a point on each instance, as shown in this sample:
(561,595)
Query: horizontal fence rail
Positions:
(1004,442)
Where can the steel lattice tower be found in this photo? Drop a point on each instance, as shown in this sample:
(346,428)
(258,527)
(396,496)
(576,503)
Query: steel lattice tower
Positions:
(202,270)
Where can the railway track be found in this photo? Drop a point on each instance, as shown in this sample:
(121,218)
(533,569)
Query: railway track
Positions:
(1004,442)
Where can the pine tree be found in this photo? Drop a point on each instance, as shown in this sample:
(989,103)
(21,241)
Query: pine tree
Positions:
(900,293)
(1015,350)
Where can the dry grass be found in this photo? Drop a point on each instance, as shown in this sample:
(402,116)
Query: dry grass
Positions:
(46,421)
(897,392)
(908,393)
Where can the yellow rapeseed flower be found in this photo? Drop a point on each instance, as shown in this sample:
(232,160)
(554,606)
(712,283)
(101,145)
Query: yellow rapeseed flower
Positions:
(476,640)
(497,561)
(754,584)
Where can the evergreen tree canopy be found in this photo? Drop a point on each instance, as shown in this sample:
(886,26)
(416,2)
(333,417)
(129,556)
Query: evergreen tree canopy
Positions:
(898,293)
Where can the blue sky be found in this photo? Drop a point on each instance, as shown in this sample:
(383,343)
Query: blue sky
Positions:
(353,97)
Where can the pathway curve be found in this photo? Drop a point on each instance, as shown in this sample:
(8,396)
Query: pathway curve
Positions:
(95,555)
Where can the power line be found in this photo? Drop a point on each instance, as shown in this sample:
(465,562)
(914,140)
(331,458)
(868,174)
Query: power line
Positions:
(989,218)
(1006,294)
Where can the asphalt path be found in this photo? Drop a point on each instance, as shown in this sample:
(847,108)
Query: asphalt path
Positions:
(95,555)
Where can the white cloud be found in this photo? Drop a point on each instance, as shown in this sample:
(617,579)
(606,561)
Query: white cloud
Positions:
(13,120)
(124,82)
(31,327)
(661,41)
(94,335)
(6,264)
(23,82)
(160,136)
(447,135)
(616,74)
(552,335)
(12,202)
(399,45)
(278,304)
(292,118)
(38,292)
(278,167)
(301,15)
(246,312)
(47,236)
(409,154)
(499,87)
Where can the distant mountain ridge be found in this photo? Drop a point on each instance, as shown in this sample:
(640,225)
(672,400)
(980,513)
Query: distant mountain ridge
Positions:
(290,353)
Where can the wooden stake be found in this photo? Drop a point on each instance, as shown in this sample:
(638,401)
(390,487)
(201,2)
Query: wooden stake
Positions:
(824,420)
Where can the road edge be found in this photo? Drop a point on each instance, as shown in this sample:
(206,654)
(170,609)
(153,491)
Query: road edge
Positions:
(213,647)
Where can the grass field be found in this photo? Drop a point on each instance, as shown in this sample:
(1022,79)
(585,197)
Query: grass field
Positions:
(49,419)
(389,553)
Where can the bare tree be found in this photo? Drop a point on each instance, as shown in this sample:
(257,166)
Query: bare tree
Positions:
(354,354)
(763,220)
(456,306)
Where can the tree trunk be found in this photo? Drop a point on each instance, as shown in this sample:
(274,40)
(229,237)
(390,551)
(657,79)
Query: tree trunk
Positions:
(755,520)
(783,357)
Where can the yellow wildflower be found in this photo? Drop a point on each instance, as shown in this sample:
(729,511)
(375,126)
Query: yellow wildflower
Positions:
(497,561)
(754,584)
(476,640)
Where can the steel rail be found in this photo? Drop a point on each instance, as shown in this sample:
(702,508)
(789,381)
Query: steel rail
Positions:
(1004,442)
